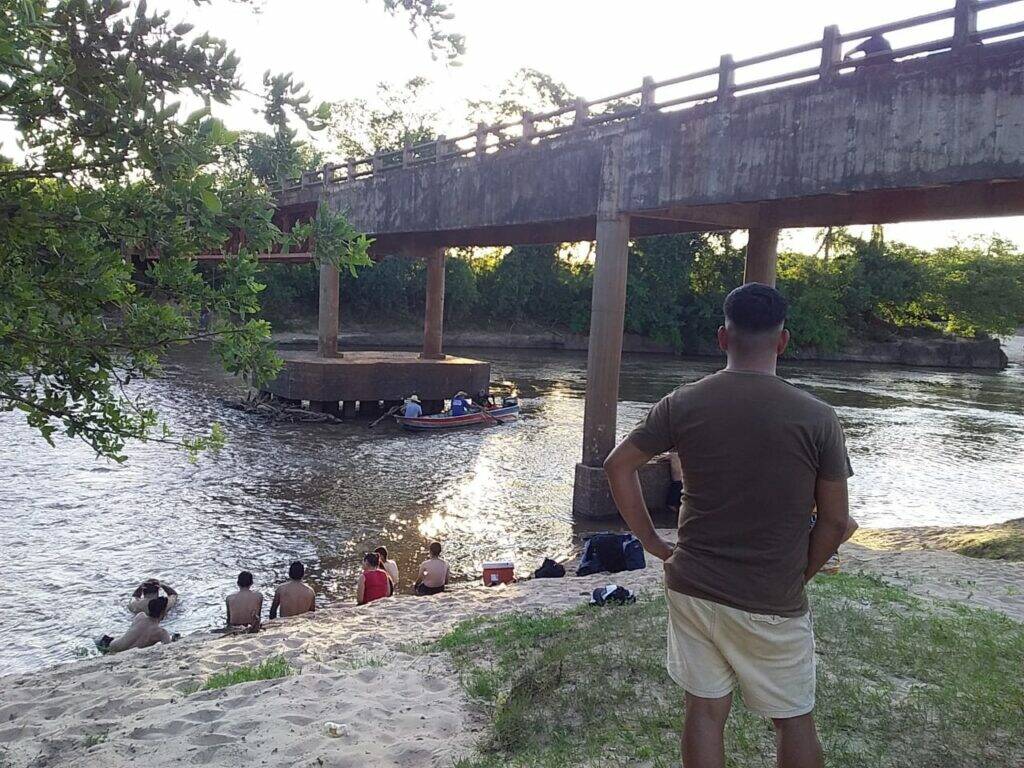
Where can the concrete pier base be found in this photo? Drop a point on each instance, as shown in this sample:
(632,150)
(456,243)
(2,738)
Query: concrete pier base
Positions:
(374,376)
(369,409)
(348,409)
(592,499)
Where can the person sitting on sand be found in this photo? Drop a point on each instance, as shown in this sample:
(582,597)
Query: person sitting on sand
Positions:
(412,408)
(374,582)
(244,606)
(149,590)
(293,597)
(144,631)
(388,565)
(433,573)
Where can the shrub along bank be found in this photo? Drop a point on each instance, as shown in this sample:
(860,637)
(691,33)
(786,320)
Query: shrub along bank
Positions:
(865,289)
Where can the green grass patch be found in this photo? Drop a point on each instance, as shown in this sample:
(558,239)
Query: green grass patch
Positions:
(270,669)
(901,682)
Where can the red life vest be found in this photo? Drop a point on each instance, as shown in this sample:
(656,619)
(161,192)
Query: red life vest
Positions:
(375,586)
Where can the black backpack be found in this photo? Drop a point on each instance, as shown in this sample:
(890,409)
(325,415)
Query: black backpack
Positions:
(549,569)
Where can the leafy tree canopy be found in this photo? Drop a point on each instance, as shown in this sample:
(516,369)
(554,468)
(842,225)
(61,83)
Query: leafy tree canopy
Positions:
(112,197)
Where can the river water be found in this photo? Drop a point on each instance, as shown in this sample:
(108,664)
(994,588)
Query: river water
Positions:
(77,533)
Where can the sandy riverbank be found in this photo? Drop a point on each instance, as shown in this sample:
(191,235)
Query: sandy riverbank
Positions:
(356,666)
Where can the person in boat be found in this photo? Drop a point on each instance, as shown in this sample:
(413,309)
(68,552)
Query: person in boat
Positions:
(460,404)
(433,575)
(144,631)
(149,590)
(412,408)
(387,564)
(244,606)
(374,582)
(293,597)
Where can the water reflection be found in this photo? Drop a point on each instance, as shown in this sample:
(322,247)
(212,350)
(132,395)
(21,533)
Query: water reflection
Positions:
(928,447)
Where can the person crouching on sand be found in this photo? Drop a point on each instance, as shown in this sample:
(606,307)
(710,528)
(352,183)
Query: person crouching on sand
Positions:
(433,573)
(374,582)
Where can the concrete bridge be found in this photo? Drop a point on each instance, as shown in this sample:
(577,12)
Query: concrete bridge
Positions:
(933,130)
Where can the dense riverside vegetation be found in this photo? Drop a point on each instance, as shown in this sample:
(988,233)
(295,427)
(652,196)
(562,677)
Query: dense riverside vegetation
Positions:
(864,289)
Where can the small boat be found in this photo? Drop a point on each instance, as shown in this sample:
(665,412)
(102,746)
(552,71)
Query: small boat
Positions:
(447,421)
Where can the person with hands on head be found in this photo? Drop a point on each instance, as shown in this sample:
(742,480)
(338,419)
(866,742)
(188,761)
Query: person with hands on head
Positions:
(148,590)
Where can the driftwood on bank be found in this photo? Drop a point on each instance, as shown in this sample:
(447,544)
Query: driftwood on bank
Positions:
(275,410)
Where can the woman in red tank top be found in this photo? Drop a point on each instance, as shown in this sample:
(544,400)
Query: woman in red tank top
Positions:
(374,583)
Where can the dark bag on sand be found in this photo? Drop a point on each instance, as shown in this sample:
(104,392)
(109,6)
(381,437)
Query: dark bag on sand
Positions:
(549,569)
(613,593)
(612,552)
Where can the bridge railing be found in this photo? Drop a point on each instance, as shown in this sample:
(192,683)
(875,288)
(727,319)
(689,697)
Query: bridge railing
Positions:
(709,85)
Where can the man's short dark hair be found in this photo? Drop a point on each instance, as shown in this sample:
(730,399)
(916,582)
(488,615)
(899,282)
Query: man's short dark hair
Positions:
(151,587)
(296,570)
(383,552)
(245,579)
(435,548)
(156,607)
(755,308)
(372,558)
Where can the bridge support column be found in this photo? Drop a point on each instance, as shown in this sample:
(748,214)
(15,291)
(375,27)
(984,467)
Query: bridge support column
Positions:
(433,318)
(327,320)
(591,496)
(762,256)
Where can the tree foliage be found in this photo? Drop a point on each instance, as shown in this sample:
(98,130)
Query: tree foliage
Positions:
(529,90)
(398,115)
(112,196)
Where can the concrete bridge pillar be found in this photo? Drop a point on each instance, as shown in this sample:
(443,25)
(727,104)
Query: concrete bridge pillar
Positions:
(433,318)
(327,322)
(762,255)
(591,496)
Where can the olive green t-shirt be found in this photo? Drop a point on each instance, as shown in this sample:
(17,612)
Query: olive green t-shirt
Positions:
(752,447)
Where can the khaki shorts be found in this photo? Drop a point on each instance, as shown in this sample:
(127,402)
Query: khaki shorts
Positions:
(712,648)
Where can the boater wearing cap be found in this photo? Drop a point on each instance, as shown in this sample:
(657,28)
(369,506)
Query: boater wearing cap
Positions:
(460,404)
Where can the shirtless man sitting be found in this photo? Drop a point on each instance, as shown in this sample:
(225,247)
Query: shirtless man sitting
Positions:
(433,573)
(244,606)
(293,597)
(148,590)
(144,631)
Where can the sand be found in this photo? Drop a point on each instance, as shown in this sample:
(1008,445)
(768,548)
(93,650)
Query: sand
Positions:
(364,667)
(354,666)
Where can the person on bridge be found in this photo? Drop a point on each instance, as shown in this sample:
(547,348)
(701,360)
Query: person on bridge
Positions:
(374,582)
(460,404)
(244,606)
(412,408)
(757,455)
(148,590)
(433,574)
(872,49)
(293,597)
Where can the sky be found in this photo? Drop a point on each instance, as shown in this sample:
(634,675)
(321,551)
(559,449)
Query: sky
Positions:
(342,48)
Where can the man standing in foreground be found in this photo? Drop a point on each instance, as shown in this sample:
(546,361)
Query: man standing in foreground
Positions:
(757,455)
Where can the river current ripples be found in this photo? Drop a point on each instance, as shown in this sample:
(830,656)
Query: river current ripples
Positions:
(77,533)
